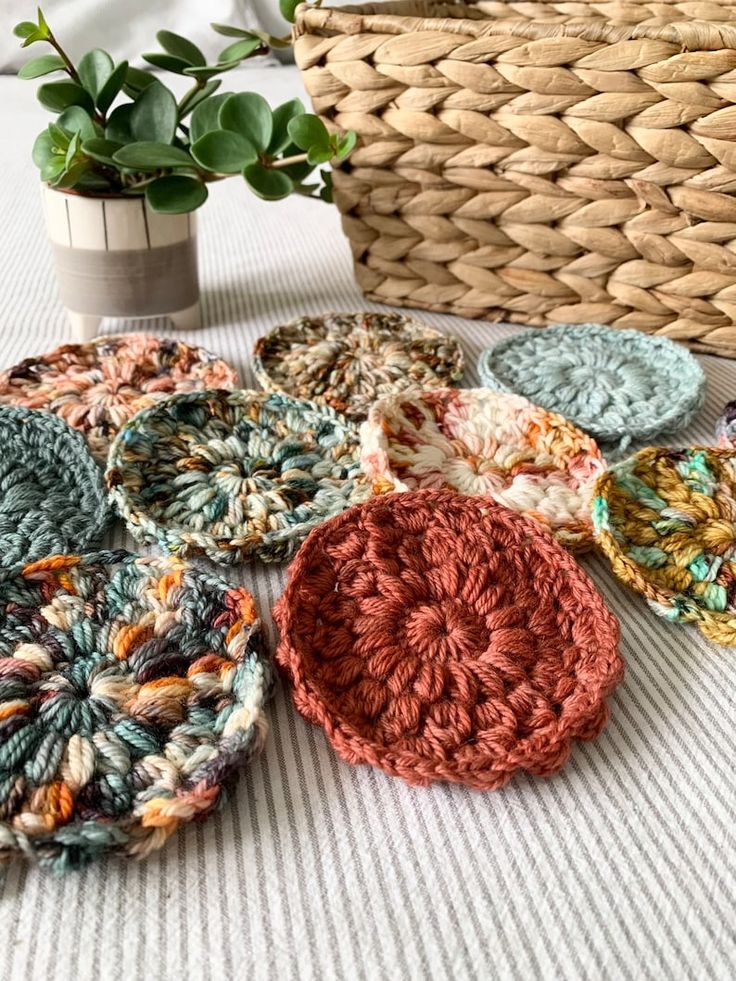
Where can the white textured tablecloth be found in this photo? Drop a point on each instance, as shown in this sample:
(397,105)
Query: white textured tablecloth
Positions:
(621,866)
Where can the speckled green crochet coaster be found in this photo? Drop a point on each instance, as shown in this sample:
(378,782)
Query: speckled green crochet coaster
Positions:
(52,496)
(233,475)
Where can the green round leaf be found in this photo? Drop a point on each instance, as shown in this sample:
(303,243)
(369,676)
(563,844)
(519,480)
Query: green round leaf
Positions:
(77,120)
(188,105)
(223,152)
(227,30)
(250,115)
(205,117)
(118,124)
(59,137)
(52,169)
(180,47)
(94,69)
(168,62)
(43,149)
(41,66)
(89,181)
(282,116)
(271,185)
(288,8)
(209,71)
(72,150)
(240,49)
(101,150)
(176,194)
(149,155)
(58,96)
(317,155)
(309,131)
(154,115)
(136,81)
(109,91)
(346,145)
(27,27)
(72,173)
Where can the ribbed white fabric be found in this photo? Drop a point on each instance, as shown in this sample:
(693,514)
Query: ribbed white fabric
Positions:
(622,866)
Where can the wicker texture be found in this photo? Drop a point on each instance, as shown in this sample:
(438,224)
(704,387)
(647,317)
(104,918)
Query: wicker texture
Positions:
(541,162)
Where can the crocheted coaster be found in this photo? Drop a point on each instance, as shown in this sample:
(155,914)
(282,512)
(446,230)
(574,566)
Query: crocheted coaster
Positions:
(52,498)
(443,637)
(131,692)
(726,427)
(666,519)
(477,441)
(96,387)
(348,360)
(617,385)
(233,475)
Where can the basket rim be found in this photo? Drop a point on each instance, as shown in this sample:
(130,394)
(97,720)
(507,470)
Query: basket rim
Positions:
(697,35)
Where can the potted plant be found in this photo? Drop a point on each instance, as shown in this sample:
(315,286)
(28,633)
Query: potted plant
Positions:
(125,164)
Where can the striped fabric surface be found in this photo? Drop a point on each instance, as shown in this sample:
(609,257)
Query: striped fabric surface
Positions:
(621,866)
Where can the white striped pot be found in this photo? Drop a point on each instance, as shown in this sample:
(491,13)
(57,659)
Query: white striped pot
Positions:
(116,258)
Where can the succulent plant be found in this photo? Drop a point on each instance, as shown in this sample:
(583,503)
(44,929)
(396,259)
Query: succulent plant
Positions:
(120,130)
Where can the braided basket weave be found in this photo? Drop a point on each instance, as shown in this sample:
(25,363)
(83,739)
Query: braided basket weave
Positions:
(538,162)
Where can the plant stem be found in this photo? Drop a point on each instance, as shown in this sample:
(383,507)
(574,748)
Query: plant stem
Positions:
(73,74)
(300,158)
(64,57)
(188,96)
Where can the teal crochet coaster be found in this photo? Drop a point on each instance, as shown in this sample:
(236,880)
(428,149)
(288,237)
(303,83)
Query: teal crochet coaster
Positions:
(131,694)
(52,496)
(233,475)
(620,386)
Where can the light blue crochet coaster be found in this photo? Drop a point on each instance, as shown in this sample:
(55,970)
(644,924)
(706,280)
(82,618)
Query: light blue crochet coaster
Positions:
(52,496)
(620,386)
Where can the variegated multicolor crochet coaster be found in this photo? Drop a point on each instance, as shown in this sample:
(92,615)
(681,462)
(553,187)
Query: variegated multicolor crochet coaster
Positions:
(97,387)
(131,693)
(477,441)
(233,475)
(666,520)
(348,360)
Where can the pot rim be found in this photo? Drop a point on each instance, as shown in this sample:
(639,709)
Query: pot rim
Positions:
(93,194)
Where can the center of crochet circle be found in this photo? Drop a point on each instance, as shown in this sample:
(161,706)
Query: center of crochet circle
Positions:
(438,632)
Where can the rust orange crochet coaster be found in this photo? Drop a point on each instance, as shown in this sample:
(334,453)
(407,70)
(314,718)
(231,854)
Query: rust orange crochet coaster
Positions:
(444,637)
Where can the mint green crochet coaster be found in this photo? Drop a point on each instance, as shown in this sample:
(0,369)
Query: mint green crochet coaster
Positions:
(52,497)
(620,386)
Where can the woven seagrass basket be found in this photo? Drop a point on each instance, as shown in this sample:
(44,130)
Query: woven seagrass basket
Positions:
(538,162)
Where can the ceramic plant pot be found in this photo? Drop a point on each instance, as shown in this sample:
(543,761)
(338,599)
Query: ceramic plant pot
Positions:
(115,257)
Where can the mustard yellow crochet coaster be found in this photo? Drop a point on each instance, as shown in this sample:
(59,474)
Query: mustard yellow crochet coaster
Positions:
(666,520)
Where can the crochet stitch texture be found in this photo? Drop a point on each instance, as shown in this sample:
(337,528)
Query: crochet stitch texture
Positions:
(131,692)
(478,441)
(96,387)
(233,475)
(52,497)
(666,520)
(618,385)
(726,426)
(348,360)
(443,637)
